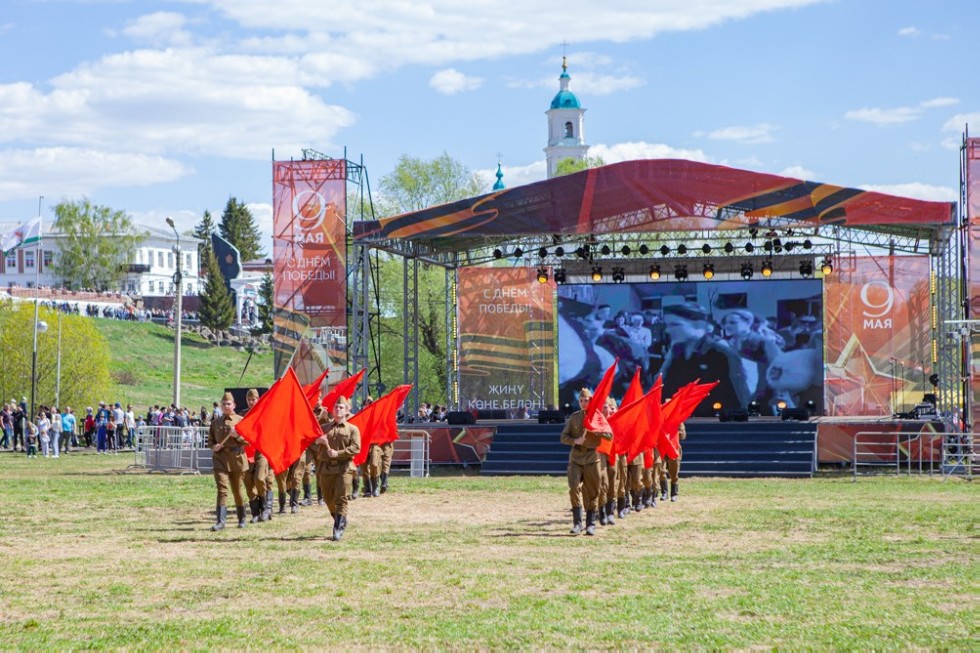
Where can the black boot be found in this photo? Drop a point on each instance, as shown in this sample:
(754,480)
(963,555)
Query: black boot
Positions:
(341,527)
(240,513)
(319,495)
(306,494)
(368,489)
(221,514)
(282,503)
(576,521)
(621,506)
(673,491)
(384,483)
(266,507)
(637,504)
(610,513)
(652,496)
(375,487)
(294,501)
(336,524)
(663,489)
(590,522)
(354,487)
(255,507)
(602,514)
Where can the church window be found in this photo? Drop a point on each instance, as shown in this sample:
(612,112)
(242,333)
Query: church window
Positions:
(569,131)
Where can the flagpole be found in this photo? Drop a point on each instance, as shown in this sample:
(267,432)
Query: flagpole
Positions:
(37,275)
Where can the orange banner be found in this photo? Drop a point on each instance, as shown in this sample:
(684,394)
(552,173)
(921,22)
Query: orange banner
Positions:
(309,256)
(878,335)
(506,327)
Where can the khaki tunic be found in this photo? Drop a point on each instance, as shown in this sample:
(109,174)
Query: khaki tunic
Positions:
(583,463)
(333,474)
(230,463)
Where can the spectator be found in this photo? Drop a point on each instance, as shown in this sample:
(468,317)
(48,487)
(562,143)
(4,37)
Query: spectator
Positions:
(7,424)
(54,430)
(88,425)
(130,419)
(68,430)
(44,432)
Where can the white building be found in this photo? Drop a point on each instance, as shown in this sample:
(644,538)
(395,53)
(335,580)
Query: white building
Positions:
(151,266)
(566,125)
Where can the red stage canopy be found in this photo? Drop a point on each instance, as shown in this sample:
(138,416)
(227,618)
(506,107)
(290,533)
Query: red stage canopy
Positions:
(660,195)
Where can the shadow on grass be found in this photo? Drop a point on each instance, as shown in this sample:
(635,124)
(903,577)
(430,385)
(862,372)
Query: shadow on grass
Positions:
(209,537)
(532,534)
(184,342)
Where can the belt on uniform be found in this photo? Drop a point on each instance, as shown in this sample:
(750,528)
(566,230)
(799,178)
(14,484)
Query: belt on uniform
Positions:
(582,447)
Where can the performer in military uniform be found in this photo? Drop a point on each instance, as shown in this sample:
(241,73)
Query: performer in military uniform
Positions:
(607,479)
(650,477)
(371,472)
(257,477)
(672,467)
(228,460)
(387,453)
(634,482)
(583,466)
(335,452)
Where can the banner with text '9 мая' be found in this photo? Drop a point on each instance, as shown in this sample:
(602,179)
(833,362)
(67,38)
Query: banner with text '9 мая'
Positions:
(309,231)
(506,333)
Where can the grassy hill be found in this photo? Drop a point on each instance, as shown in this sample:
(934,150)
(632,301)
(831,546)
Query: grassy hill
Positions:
(142,366)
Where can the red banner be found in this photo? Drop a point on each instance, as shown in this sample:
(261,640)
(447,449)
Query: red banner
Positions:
(506,327)
(973,217)
(878,335)
(309,256)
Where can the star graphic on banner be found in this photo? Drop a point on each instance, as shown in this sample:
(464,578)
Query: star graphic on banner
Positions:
(860,387)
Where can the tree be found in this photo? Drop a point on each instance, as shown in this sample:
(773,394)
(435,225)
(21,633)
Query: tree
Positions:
(570,165)
(84,357)
(216,309)
(203,231)
(97,246)
(238,227)
(265,305)
(416,184)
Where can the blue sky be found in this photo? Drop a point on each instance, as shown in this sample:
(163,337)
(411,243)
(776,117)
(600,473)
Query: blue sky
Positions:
(169,108)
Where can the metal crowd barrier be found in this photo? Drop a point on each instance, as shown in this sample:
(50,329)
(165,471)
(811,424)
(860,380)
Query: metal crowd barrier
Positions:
(888,451)
(416,445)
(959,455)
(182,449)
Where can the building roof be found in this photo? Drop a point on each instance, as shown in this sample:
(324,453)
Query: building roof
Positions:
(565,100)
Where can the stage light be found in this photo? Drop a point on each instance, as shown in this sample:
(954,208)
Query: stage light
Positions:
(518,253)
(664,250)
(749,247)
(781,405)
(806,269)
(729,248)
(826,267)
(811,406)
(618,275)
(559,251)
(789,246)
(497,253)
(706,248)
(807,244)
(542,253)
(644,250)
(753,232)
(767,269)
(680,272)
(716,406)
(560,276)
(682,249)
(542,275)
(754,408)
(597,274)
(767,246)
(605,250)
(708,271)
(582,251)
(747,271)
(626,250)
(654,272)
(934,380)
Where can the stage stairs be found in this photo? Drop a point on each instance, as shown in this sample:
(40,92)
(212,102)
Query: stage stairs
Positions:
(755,448)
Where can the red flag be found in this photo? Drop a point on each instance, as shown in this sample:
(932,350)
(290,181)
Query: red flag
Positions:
(630,423)
(377,422)
(312,391)
(281,425)
(680,408)
(635,391)
(595,421)
(655,425)
(344,388)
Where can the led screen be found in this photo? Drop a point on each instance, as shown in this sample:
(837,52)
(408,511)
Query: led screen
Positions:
(761,340)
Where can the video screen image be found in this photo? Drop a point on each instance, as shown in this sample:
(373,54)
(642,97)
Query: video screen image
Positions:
(761,340)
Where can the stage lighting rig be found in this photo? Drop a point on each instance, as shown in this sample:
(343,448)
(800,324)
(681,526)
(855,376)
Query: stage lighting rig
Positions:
(497,253)
(682,249)
(625,251)
(654,272)
(806,269)
(559,251)
(618,275)
(747,271)
(605,250)
(749,247)
(582,251)
(767,246)
(597,274)
(664,250)
(543,252)
(767,269)
(644,250)
(826,267)
(706,248)
(518,253)
(807,244)
(680,272)
(729,248)
(560,276)
(542,275)
(708,271)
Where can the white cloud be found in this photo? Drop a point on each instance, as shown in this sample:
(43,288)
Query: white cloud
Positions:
(72,172)
(586,83)
(450,81)
(880,117)
(916,190)
(939,102)
(958,122)
(636,150)
(516,175)
(748,135)
(798,172)
(910,32)
(159,29)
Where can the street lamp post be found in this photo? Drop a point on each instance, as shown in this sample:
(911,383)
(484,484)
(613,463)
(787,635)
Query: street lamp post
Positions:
(178,309)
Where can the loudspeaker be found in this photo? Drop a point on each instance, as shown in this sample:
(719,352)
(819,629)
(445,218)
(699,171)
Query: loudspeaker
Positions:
(799,414)
(733,415)
(460,417)
(550,417)
(491,414)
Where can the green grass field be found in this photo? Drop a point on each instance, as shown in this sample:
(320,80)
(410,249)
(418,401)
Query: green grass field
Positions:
(145,353)
(94,558)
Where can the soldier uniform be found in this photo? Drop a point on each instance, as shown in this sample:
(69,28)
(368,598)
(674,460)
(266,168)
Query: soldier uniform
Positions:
(634,481)
(672,467)
(387,453)
(622,507)
(258,476)
(583,468)
(333,472)
(229,462)
(650,477)
(371,471)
